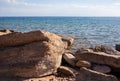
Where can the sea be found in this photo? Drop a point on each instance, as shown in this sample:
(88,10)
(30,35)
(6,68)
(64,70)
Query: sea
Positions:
(86,31)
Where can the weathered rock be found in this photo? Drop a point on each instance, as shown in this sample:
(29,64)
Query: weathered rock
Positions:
(119,79)
(106,49)
(4,32)
(82,63)
(35,59)
(68,41)
(85,50)
(69,58)
(90,75)
(100,58)
(68,71)
(117,47)
(101,68)
(19,38)
(46,78)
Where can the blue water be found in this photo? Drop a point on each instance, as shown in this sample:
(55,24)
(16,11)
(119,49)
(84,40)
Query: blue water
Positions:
(87,30)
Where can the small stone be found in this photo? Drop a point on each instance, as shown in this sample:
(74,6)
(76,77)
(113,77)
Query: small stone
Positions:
(102,68)
(82,63)
(68,40)
(69,58)
(68,71)
(117,47)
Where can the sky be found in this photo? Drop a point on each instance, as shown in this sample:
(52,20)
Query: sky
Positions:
(59,7)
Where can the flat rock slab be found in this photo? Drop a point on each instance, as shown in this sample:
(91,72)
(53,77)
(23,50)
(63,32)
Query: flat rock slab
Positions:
(100,58)
(19,38)
(90,75)
(105,49)
(46,78)
(101,68)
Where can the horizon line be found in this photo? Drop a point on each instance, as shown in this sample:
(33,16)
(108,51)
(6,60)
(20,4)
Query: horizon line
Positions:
(59,16)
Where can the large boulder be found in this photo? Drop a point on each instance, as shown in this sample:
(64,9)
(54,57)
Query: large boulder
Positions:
(99,58)
(35,54)
(90,75)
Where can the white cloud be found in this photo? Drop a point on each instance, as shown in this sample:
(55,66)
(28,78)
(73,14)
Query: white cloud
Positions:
(117,4)
(39,9)
(79,10)
(11,1)
(16,2)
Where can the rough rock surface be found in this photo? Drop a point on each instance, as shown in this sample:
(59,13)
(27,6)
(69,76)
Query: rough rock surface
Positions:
(105,49)
(90,75)
(19,38)
(102,68)
(100,58)
(46,78)
(39,56)
(36,56)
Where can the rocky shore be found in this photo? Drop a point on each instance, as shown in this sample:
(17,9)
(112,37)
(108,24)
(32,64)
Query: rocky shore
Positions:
(44,56)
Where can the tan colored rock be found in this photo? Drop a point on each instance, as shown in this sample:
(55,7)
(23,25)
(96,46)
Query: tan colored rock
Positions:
(102,68)
(69,58)
(46,78)
(4,32)
(18,38)
(85,50)
(35,59)
(90,75)
(68,41)
(68,71)
(82,63)
(100,58)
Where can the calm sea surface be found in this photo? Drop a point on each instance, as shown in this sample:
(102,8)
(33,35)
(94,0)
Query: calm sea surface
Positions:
(87,30)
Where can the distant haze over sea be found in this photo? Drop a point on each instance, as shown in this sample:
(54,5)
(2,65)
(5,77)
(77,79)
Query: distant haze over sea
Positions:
(89,30)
